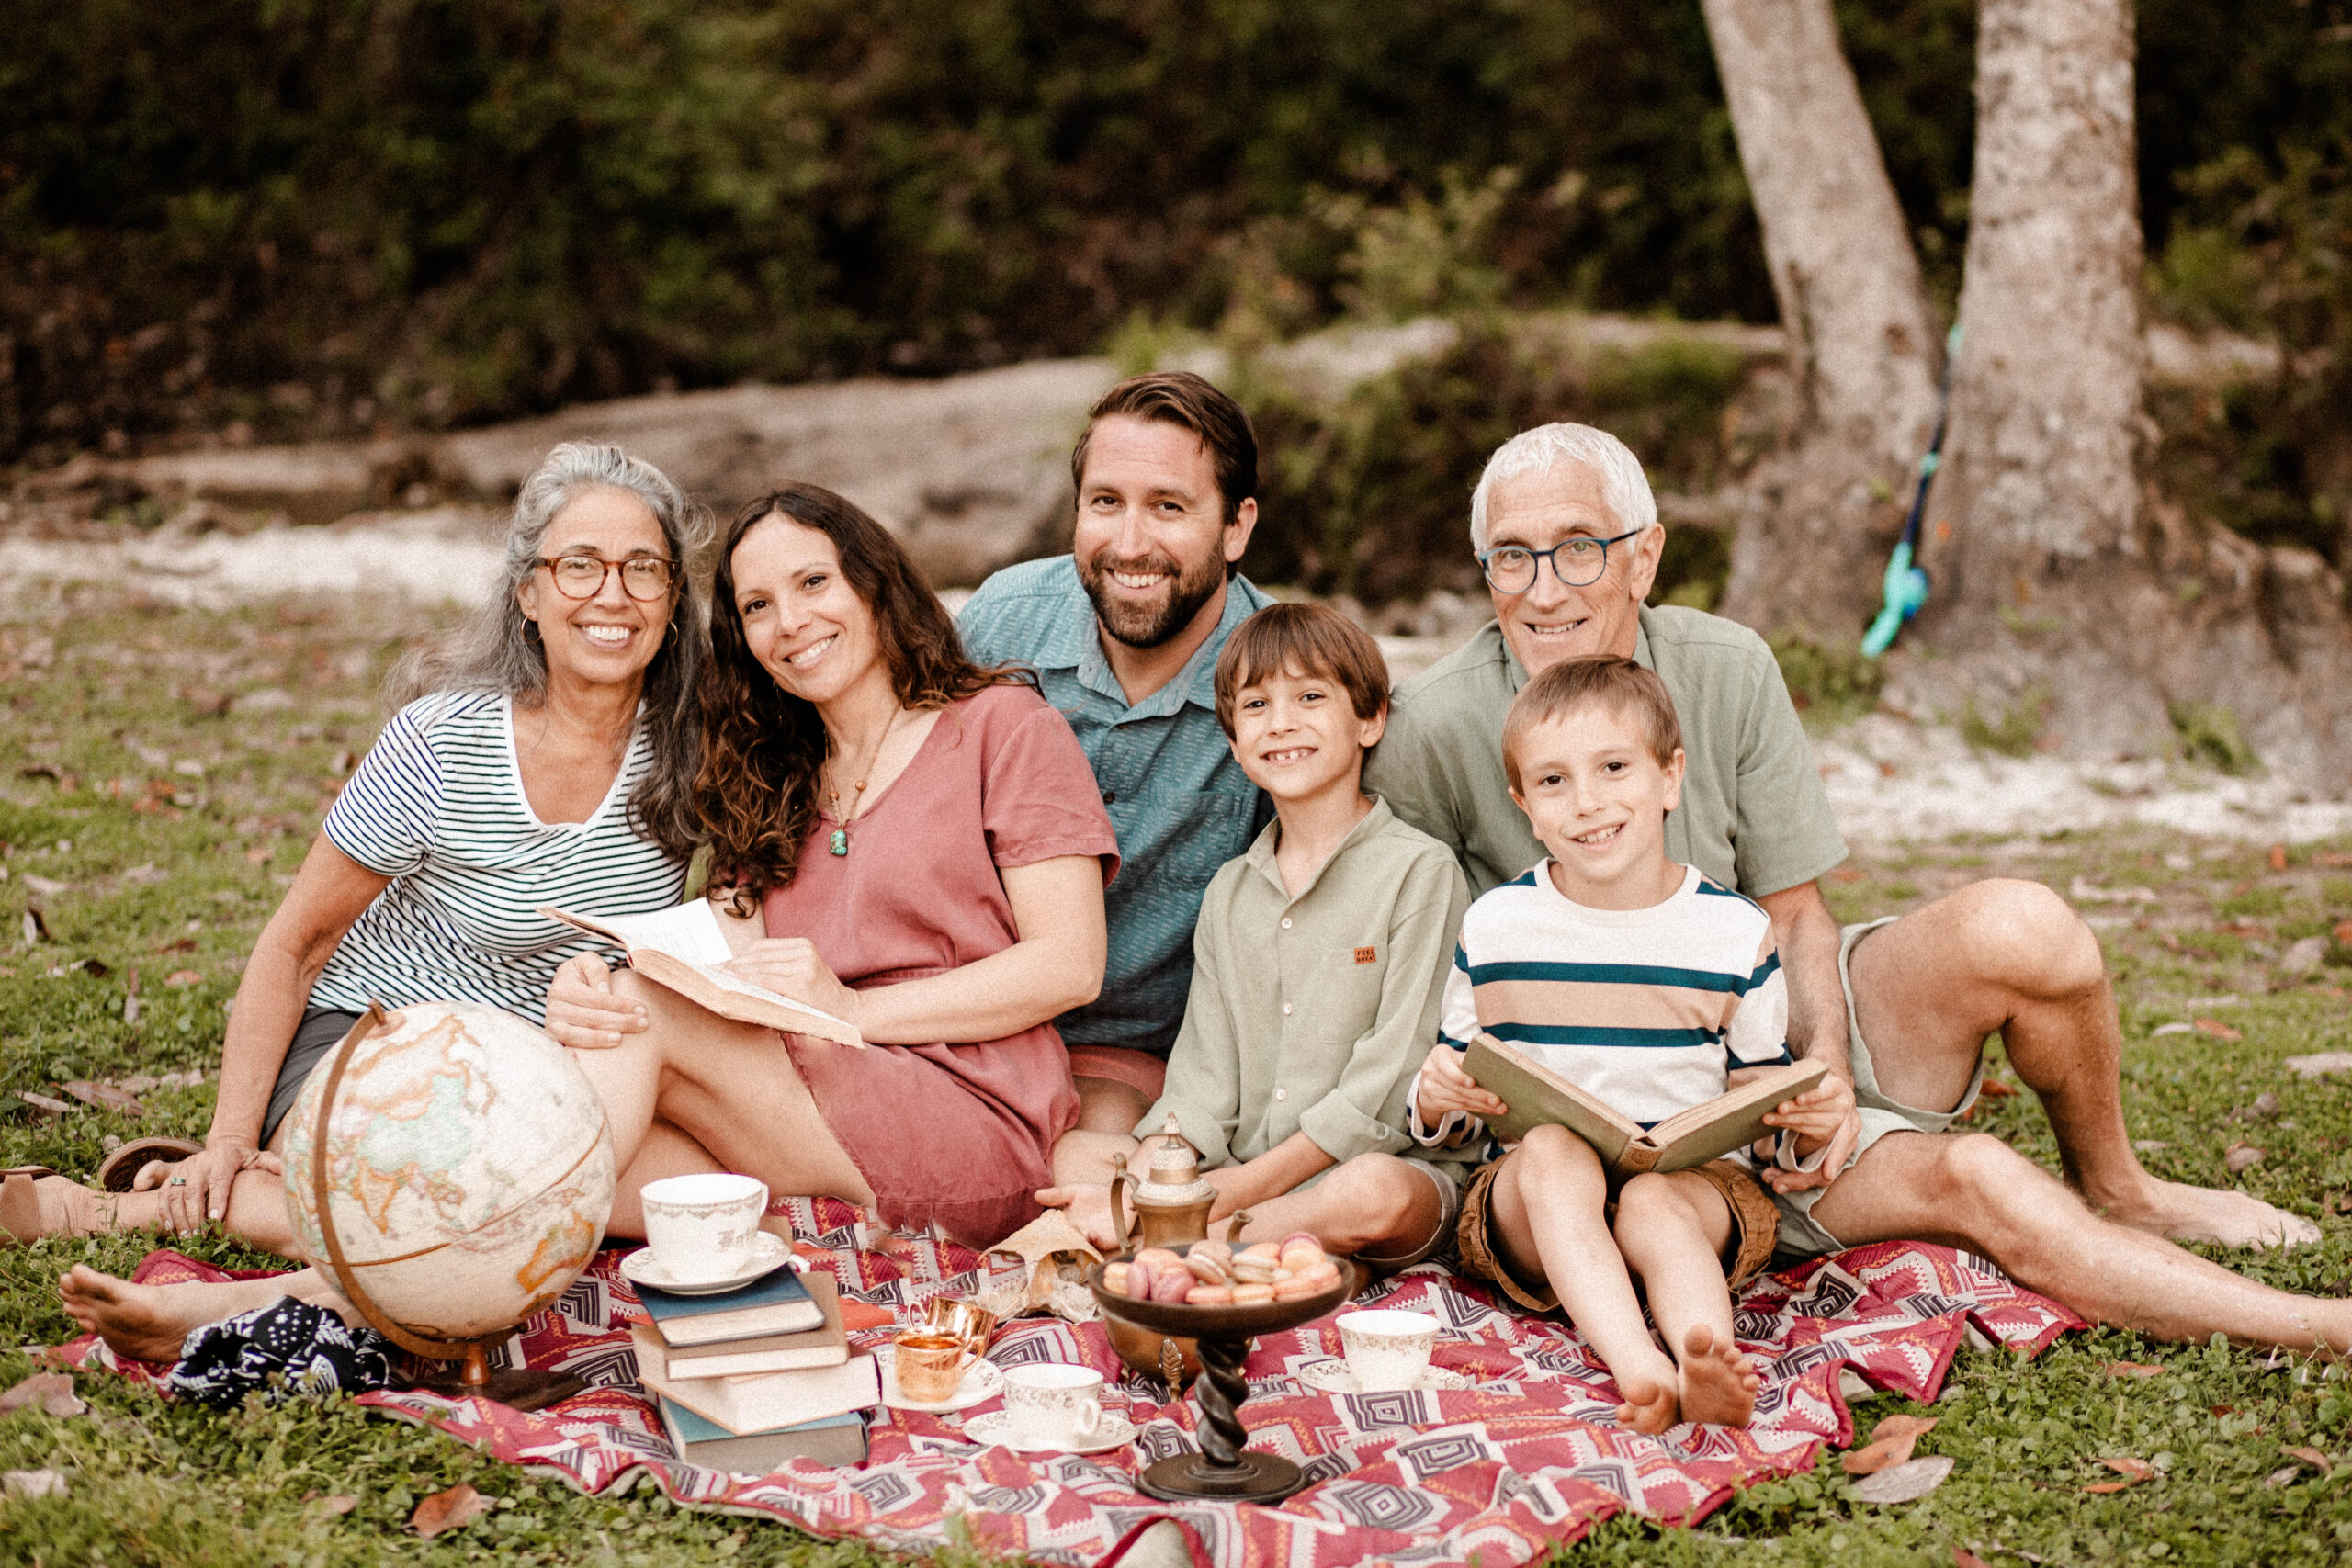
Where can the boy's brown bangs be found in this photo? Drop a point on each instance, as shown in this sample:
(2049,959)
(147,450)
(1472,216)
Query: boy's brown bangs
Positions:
(1595,680)
(1310,639)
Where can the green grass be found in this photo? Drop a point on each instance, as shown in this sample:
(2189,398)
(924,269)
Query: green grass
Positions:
(155,1484)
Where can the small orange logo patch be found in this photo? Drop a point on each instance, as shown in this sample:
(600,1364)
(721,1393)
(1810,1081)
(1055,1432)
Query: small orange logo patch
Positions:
(1367,955)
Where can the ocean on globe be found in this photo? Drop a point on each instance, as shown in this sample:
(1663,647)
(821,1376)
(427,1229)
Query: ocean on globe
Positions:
(469,1169)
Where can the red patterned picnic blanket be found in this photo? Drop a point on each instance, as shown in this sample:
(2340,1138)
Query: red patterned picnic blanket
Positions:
(1526,1459)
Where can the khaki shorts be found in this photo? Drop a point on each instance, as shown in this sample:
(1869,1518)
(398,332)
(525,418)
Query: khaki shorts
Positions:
(1754,1223)
(1800,1236)
(1449,1212)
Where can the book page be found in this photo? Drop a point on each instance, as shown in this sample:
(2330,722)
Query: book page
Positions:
(1733,1120)
(738,988)
(689,932)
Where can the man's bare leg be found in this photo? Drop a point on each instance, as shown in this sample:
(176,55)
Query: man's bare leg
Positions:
(1373,1204)
(148,1323)
(1971,1191)
(2012,958)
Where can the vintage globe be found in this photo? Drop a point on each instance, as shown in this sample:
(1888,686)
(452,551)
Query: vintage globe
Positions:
(468,1171)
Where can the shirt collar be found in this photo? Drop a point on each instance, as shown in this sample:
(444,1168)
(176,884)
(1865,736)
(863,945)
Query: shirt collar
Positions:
(1262,851)
(1194,683)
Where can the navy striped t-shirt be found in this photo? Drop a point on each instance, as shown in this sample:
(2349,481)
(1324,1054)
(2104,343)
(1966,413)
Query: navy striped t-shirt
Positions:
(438,806)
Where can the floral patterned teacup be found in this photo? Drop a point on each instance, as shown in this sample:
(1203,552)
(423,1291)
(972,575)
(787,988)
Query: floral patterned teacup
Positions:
(703,1227)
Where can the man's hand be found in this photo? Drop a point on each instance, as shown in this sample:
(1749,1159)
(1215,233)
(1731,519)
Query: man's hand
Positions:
(1824,1117)
(790,966)
(584,1011)
(1089,1208)
(1443,1086)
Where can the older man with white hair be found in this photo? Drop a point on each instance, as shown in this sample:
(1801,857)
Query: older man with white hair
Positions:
(1567,532)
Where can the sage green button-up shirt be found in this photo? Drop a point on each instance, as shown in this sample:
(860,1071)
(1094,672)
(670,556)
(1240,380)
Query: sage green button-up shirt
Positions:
(1312,1014)
(1754,816)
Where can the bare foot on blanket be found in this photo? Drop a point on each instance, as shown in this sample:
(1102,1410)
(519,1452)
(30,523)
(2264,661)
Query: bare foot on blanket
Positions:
(148,1323)
(2178,1212)
(1719,1383)
(1649,1403)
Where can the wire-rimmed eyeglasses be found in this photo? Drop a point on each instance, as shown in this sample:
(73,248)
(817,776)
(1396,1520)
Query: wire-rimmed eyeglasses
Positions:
(1578,563)
(582,577)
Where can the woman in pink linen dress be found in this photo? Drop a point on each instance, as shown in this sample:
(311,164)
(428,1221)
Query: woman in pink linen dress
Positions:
(900,838)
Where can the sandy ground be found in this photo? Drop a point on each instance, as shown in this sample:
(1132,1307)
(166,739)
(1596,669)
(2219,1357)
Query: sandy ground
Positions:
(1890,780)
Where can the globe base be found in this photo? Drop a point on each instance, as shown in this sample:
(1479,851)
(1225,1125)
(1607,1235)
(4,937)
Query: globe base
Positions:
(518,1388)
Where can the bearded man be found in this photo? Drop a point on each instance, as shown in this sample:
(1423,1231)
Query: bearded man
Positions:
(1124,633)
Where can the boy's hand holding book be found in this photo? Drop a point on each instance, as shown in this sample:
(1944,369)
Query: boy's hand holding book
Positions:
(1443,1088)
(1814,1117)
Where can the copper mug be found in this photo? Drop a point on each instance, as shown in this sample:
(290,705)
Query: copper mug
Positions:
(970,1323)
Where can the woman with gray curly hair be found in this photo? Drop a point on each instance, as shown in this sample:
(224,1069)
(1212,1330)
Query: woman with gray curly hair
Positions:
(545,755)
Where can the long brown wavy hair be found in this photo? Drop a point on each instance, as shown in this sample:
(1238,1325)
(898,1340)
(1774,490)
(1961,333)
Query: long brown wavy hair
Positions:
(756,791)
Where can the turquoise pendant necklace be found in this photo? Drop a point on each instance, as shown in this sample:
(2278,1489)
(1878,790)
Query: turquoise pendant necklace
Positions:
(839,842)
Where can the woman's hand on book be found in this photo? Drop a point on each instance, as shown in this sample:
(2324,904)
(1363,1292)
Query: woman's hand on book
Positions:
(1444,1087)
(790,966)
(585,1012)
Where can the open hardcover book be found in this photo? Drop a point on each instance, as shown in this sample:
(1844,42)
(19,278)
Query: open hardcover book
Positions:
(1536,1095)
(683,949)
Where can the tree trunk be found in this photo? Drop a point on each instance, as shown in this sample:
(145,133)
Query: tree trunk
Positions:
(1862,337)
(2060,594)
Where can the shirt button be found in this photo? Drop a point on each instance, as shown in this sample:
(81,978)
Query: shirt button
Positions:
(1285,922)
(1282,1094)
(1286,1010)
(1110,797)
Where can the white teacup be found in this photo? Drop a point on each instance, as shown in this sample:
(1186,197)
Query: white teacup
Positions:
(1053,1405)
(703,1227)
(1387,1349)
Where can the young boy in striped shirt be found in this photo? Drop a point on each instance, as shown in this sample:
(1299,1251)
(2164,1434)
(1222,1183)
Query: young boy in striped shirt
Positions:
(1644,984)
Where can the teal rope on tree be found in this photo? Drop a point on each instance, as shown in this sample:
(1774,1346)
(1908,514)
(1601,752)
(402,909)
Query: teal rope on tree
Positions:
(1906,585)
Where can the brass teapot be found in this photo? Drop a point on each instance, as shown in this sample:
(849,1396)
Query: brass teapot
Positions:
(1172,1202)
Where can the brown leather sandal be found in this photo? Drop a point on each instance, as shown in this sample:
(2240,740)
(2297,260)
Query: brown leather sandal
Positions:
(20,1205)
(120,1169)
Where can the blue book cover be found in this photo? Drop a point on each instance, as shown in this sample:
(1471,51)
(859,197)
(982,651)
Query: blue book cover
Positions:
(836,1439)
(778,1305)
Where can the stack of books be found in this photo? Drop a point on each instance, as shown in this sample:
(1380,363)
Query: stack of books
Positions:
(748,1380)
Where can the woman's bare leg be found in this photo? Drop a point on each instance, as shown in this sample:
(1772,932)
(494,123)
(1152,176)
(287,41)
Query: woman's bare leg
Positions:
(730,1088)
(665,1152)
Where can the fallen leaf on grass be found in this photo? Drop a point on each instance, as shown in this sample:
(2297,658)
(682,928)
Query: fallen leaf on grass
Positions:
(54,1392)
(2282,1475)
(184,944)
(106,1097)
(2134,1471)
(1891,1443)
(36,926)
(338,1504)
(1997,1089)
(33,1483)
(2241,1156)
(2217,1029)
(2133,1369)
(259,855)
(43,1102)
(2176,1027)
(1963,1558)
(2332,857)
(444,1511)
(1904,1482)
(2278,857)
(184,977)
(47,886)
(2310,1457)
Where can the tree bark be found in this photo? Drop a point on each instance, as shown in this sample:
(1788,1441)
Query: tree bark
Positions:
(1862,337)
(2062,591)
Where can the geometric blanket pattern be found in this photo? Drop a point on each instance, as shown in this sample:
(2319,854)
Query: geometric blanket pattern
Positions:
(1525,1460)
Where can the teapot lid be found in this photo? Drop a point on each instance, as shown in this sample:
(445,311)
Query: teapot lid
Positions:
(1175,1171)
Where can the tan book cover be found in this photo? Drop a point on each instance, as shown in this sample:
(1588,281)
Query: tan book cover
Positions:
(1537,1095)
(683,949)
(827,1345)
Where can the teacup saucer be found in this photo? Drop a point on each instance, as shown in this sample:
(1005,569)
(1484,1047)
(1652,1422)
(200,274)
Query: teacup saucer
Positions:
(982,1380)
(769,1253)
(1334,1377)
(995,1428)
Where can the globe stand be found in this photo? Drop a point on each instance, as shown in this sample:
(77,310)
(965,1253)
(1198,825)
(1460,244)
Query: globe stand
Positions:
(468,1375)
(519,1388)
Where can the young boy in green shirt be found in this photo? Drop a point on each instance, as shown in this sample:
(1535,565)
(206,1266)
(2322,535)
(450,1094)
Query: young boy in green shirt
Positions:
(1319,967)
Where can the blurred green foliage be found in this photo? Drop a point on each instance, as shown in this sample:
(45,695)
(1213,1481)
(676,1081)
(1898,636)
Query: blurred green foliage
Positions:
(324,216)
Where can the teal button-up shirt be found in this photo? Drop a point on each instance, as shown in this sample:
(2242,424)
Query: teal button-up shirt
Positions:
(1180,803)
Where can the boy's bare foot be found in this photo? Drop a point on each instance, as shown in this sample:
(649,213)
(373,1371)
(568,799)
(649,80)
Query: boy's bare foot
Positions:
(148,1323)
(1649,1404)
(1719,1383)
